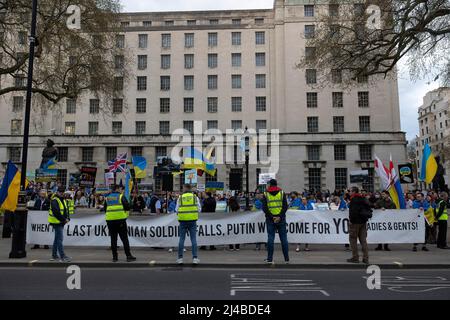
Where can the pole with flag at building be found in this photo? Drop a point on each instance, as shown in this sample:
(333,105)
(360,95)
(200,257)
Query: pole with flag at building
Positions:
(429,167)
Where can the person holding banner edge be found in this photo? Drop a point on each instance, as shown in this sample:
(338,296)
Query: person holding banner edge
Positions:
(275,206)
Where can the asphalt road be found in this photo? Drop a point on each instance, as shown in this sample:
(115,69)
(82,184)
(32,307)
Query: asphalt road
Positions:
(218,284)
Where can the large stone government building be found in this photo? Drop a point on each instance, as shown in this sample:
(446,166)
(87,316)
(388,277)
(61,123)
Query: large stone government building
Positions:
(229,69)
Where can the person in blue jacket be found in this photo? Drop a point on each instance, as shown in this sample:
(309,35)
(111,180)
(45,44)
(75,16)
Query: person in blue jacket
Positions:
(423,205)
(295,202)
(304,205)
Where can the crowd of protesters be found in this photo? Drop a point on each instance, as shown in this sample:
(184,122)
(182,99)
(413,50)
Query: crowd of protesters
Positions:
(147,203)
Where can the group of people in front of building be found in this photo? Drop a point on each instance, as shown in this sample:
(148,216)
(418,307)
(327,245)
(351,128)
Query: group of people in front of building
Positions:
(273,202)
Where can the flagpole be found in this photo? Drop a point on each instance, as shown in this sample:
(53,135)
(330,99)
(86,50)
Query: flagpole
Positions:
(19,223)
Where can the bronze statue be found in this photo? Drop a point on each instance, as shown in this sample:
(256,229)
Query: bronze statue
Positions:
(48,153)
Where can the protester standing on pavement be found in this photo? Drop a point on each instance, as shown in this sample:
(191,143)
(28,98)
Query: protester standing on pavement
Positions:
(58,216)
(442,217)
(275,206)
(423,205)
(359,213)
(42,203)
(209,206)
(116,208)
(188,206)
(233,206)
(385,202)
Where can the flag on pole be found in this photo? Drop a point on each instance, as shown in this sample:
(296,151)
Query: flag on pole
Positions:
(139,164)
(128,185)
(51,164)
(195,159)
(395,189)
(118,164)
(9,192)
(429,166)
(383,173)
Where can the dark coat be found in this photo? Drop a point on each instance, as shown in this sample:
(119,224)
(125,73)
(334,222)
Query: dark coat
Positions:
(209,205)
(358,203)
(40,205)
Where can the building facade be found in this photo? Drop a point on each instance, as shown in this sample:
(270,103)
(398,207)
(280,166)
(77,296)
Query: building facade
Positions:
(228,70)
(434,126)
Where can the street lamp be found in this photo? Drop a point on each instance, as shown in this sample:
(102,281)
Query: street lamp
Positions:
(19,223)
(247,157)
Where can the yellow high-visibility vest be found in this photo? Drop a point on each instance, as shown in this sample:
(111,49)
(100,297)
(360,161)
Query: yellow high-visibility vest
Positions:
(444,215)
(62,208)
(188,207)
(275,203)
(114,209)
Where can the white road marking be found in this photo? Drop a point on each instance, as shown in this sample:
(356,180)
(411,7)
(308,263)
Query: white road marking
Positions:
(281,284)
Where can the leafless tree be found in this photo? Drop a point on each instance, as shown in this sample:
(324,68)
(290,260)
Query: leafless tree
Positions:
(368,38)
(68,61)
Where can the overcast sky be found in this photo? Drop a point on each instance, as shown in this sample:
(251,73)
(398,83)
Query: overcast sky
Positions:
(411,93)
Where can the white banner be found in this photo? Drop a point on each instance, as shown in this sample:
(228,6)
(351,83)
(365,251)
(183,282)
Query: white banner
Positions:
(330,227)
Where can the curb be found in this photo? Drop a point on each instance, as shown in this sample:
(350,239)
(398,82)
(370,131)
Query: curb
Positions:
(154,265)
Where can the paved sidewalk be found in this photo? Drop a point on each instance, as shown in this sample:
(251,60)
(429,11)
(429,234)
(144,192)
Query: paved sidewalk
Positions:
(320,256)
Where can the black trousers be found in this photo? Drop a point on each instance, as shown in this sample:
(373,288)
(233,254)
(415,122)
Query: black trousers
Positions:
(442,235)
(119,228)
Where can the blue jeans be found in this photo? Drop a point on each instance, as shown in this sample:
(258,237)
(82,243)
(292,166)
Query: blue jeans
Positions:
(191,227)
(58,242)
(282,232)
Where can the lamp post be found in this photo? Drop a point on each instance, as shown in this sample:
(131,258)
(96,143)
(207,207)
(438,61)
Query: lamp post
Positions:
(19,223)
(247,158)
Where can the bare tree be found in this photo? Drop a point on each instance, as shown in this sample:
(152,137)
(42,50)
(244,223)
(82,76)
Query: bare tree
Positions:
(366,38)
(68,61)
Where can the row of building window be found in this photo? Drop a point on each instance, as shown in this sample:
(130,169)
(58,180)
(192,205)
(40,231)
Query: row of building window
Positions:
(87,153)
(189,61)
(189,40)
(164,128)
(190,22)
(212,102)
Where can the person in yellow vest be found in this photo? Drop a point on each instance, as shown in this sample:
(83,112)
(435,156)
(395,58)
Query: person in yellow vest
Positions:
(58,216)
(188,206)
(116,208)
(275,206)
(69,203)
(442,217)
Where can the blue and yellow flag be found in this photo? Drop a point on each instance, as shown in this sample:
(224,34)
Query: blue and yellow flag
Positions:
(429,165)
(128,185)
(195,159)
(9,192)
(51,164)
(139,164)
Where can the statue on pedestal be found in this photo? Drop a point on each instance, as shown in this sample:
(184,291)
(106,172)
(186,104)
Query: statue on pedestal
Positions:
(49,152)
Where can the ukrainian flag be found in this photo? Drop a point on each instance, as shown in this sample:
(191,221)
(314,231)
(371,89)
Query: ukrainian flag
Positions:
(194,159)
(139,164)
(9,192)
(429,165)
(51,164)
